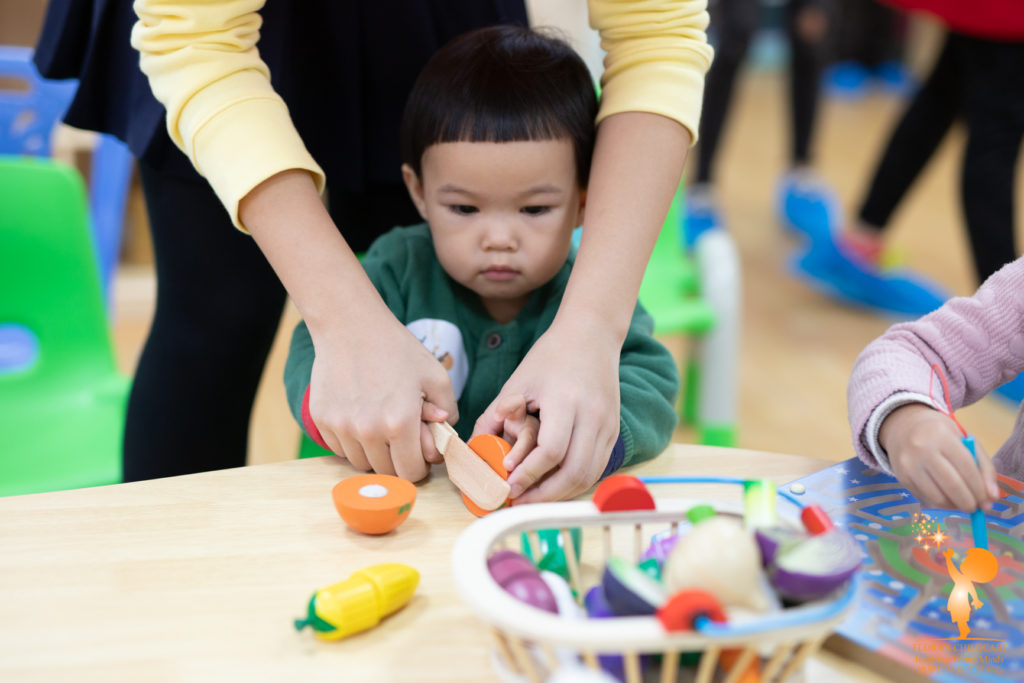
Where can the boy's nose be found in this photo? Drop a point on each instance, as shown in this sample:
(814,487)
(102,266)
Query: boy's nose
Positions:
(499,237)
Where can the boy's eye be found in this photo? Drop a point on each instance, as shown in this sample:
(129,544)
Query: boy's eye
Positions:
(463,209)
(536,210)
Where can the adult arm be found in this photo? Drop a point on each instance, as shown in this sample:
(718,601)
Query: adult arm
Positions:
(370,375)
(648,386)
(657,55)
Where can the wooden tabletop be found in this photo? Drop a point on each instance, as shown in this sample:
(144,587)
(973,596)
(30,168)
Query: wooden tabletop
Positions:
(200,577)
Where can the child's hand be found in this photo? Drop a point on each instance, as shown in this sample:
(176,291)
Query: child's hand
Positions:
(519,428)
(929,458)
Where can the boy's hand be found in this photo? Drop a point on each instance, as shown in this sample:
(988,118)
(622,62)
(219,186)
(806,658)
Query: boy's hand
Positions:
(519,428)
(570,379)
(928,456)
(371,394)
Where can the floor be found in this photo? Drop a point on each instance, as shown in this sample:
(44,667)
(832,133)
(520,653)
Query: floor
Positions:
(797,347)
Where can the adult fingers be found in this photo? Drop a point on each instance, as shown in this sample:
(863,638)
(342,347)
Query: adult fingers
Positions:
(430,413)
(407,451)
(552,444)
(352,450)
(377,451)
(429,448)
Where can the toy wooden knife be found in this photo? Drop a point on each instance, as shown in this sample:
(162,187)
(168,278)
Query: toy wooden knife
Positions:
(467,470)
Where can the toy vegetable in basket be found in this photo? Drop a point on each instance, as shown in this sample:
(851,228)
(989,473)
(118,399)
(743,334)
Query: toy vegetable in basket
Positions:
(720,631)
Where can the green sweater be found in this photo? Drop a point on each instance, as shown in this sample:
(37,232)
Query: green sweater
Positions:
(481,354)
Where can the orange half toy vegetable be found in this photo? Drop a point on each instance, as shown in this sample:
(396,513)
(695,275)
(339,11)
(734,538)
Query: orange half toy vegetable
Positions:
(374,503)
(492,450)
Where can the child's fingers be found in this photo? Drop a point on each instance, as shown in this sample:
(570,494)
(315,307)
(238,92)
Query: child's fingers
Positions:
(920,483)
(988,476)
(511,407)
(955,480)
(968,474)
(552,442)
(525,440)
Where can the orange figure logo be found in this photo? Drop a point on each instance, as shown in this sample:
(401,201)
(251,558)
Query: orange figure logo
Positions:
(979,566)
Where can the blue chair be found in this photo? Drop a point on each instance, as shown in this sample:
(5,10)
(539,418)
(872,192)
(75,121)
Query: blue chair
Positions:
(27,119)
(28,116)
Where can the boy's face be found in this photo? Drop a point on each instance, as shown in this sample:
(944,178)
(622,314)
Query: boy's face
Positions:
(501,214)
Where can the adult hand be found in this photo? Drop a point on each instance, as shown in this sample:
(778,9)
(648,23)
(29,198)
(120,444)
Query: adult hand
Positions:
(570,379)
(373,383)
(371,395)
(929,458)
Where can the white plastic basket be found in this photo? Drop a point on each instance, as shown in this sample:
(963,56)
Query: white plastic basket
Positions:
(530,640)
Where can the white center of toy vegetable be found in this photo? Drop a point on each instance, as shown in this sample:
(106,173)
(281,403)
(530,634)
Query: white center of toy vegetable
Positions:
(373,491)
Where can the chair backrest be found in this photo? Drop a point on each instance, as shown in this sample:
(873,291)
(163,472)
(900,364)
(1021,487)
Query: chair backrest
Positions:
(110,177)
(29,113)
(28,116)
(49,284)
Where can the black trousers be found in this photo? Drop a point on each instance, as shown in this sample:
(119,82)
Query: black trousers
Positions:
(868,32)
(734,22)
(217,311)
(981,81)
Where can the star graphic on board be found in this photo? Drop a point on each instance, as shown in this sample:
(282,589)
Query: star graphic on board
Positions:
(938,537)
(904,494)
(852,499)
(855,481)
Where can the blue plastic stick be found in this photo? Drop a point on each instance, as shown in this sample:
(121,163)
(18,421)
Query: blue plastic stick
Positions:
(978,516)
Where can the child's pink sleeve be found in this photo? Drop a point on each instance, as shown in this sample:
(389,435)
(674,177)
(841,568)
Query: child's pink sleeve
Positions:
(977,342)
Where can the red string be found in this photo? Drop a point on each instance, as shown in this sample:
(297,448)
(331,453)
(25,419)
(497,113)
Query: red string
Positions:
(936,370)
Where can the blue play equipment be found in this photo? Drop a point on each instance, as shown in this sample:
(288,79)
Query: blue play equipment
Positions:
(28,115)
(900,294)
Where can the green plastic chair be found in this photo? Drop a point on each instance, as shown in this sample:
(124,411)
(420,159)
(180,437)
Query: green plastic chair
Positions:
(62,406)
(697,294)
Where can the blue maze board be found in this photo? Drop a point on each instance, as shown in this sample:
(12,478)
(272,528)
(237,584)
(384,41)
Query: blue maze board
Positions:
(904,584)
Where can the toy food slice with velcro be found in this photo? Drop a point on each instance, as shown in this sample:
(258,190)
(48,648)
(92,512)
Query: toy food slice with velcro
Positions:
(468,470)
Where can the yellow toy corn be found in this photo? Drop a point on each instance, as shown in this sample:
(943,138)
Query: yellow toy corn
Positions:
(360,601)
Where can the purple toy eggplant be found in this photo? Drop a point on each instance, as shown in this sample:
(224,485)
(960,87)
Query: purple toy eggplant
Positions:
(520,578)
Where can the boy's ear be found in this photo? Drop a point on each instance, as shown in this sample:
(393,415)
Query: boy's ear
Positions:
(415,188)
(583,206)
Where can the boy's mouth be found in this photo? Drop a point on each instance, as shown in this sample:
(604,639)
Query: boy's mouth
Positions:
(499,273)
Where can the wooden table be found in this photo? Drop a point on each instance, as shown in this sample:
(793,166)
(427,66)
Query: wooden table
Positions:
(200,577)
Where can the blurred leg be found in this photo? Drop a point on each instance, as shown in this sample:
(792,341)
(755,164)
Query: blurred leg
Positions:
(995,124)
(735,22)
(218,308)
(808,26)
(915,138)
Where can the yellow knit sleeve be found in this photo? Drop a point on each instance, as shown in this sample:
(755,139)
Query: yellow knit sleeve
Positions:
(657,55)
(202,63)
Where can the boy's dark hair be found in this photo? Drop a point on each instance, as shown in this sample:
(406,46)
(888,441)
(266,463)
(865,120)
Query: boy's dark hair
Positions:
(502,84)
